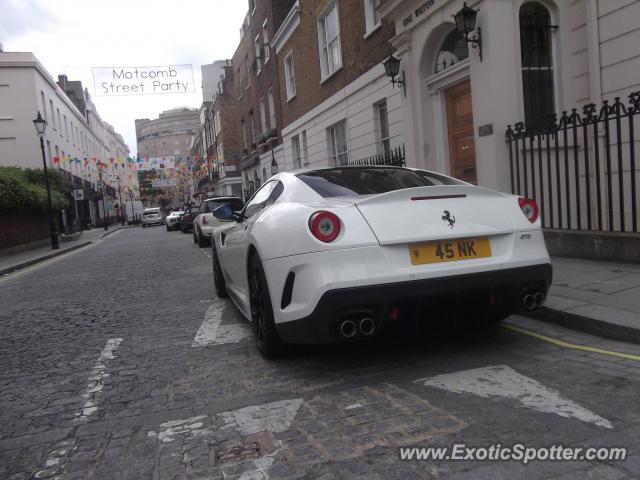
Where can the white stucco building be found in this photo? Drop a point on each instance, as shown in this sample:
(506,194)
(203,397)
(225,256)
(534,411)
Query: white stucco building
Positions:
(75,141)
(538,58)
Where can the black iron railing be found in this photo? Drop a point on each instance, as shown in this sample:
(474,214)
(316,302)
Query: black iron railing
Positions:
(393,157)
(581,168)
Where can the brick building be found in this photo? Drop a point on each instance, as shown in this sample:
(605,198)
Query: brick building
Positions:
(218,143)
(258,93)
(337,104)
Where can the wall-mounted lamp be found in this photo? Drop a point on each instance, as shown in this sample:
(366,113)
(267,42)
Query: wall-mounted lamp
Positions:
(392,68)
(466,23)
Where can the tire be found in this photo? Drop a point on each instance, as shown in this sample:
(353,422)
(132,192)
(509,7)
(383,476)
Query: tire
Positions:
(168,229)
(183,230)
(144,226)
(195,239)
(203,241)
(268,342)
(219,283)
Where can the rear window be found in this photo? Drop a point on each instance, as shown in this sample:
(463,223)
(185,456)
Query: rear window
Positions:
(343,182)
(146,214)
(236,204)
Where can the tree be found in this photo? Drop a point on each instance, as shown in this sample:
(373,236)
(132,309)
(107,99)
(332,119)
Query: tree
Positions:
(24,189)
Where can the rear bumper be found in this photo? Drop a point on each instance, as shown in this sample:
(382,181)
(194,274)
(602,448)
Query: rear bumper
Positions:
(498,291)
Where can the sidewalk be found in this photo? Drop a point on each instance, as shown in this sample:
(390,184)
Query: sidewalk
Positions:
(17,261)
(602,298)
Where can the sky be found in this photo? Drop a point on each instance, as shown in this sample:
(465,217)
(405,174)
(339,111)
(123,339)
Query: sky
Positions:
(72,36)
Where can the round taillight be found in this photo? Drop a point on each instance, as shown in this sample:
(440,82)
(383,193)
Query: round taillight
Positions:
(529,208)
(325,226)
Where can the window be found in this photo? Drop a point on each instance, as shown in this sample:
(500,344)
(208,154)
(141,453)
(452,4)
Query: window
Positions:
(337,138)
(248,67)
(66,127)
(371,15)
(252,124)
(258,54)
(272,109)
(261,197)
(263,115)
(216,120)
(265,42)
(53,118)
(454,49)
(305,153)
(537,62)
(329,41)
(338,182)
(244,134)
(295,151)
(59,122)
(289,76)
(252,6)
(382,124)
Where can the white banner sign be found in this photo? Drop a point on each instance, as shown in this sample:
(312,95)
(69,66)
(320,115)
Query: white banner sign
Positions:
(120,81)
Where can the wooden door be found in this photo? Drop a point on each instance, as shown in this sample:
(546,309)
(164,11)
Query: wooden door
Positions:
(462,148)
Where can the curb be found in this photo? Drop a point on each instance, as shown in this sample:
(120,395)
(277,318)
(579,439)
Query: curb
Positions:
(26,264)
(585,324)
(114,230)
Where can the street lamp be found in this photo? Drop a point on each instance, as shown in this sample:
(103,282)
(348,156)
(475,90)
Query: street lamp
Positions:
(41,125)
(392,68)
(120,200)
(104,207)
(466,23)
(131,199)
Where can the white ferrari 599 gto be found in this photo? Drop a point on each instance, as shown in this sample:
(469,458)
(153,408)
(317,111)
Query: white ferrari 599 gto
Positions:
(334,254)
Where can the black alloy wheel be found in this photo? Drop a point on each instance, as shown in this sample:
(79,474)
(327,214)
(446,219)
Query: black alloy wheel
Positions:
(267,340)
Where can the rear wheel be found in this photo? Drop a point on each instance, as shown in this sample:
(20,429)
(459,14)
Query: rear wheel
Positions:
(267,339)
(168,229)
(219,283)
(195,238)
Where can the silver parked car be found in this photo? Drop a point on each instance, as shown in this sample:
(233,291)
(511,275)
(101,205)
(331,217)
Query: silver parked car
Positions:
(152,216)
(205,222)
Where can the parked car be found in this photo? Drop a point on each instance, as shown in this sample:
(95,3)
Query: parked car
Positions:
(172,221)
(332,255)
(152,216)
(186,221)
(205,222)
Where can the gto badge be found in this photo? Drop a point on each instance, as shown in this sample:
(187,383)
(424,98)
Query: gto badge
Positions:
(446,217)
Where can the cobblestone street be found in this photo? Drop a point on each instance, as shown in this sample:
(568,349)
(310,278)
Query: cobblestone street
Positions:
(135,370)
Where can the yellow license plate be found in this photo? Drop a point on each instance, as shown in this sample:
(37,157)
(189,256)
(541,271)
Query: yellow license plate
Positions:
(449,250)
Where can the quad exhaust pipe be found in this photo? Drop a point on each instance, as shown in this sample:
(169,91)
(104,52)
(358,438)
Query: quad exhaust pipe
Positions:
(367,326)
(348,328)
(531,301)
